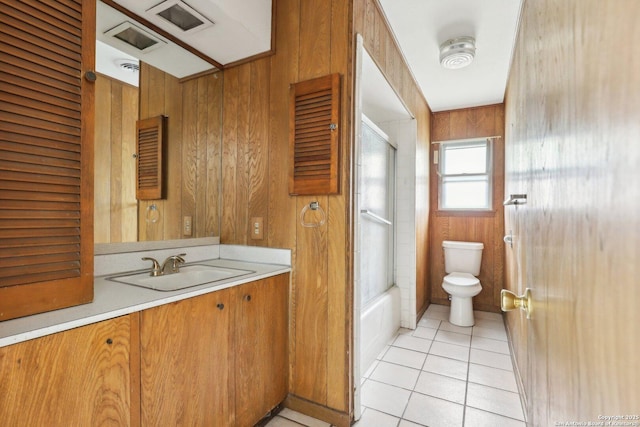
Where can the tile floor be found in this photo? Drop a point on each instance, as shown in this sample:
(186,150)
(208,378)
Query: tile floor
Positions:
(437,375)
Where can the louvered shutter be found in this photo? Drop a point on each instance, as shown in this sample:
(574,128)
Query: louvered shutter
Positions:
(46,155)
(150,146)
(314,136)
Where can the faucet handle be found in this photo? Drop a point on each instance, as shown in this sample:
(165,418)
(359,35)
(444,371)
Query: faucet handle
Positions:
(155,270)
(174,263)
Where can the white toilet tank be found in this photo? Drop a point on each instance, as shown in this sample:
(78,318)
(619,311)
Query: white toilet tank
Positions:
(462,257)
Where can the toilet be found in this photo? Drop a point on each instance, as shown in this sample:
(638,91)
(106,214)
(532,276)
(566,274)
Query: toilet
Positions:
(462,265)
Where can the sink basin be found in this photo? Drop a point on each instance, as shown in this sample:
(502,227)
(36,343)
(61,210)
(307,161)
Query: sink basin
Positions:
(189,275)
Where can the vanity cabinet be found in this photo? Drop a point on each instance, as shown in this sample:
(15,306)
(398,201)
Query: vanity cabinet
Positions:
(219,359)
(261,350)
(77,377)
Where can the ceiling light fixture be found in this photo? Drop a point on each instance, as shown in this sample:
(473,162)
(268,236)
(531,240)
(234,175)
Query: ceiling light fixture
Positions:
(457,53)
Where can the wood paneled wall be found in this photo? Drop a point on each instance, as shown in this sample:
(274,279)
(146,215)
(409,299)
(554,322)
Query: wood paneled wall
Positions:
(193,152)
(486,227)
(381,46)
(115,205)
(573,125)
(313,38)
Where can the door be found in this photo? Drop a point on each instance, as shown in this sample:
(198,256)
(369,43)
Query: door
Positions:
(261,319)
(78,377)
(186,372)
(377,206)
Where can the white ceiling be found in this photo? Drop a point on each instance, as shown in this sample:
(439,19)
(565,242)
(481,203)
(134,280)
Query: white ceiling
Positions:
(169,58)
(420,26)
(241,28)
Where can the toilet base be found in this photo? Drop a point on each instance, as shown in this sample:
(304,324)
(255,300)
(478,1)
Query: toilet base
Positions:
(461,313)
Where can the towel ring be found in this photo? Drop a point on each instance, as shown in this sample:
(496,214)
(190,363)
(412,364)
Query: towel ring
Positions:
(153,213)
(314,206)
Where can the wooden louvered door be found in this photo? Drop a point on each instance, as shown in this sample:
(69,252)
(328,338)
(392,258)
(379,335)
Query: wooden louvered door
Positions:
(314,136)
(46,155)
(150,146)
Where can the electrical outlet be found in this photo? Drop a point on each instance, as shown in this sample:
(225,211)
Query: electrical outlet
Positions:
(257,226)
(187,229)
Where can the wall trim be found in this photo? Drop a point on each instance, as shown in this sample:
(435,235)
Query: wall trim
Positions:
(336,418)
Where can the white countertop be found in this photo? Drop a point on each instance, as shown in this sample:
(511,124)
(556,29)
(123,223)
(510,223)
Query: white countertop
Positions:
(113,299)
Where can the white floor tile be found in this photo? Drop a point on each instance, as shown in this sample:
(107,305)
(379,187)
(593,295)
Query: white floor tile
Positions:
(445,366)
(369,371)
(412,343)
(438,307)
(494,400)
(487,315)
(489,344)
(404,357)
(446,326)
(404,331)
(477,418)
(382,353)
(281,422)
(451,351)
(425,322)
(425,333)
(491,358)
(446,388)
(437,315)
(384,398)
(492,377)
(372,418)
(396,375)
(490,324)
(431,411)
(453,338)
(458,365)
(492,333)
(302,419)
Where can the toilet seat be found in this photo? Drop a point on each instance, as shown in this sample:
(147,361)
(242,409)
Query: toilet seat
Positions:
(461,279)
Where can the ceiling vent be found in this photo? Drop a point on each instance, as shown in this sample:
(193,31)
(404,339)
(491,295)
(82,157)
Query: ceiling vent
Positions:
(180,14)
(457,53)
(135,36)
(128,65)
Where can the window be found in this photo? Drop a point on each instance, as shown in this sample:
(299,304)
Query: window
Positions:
(465,179)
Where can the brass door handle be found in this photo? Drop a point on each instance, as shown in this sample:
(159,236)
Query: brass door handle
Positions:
(510,301)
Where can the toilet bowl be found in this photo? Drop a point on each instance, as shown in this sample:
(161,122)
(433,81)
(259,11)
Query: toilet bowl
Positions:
(462,287)
(462,263)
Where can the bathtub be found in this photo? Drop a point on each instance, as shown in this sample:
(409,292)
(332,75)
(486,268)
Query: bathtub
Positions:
(379,322)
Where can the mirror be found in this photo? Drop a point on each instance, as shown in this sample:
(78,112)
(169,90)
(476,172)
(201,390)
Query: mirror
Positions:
(171,82)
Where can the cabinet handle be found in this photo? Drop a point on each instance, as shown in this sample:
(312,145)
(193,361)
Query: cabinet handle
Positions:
(220,306)
(247,297)
(109,341)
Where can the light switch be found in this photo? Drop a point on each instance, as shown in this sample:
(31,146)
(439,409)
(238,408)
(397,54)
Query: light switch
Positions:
(257,226)
(186,226)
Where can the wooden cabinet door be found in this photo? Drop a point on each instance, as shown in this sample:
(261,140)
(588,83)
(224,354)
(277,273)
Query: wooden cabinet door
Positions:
(185,370)
(80,377)
(261,332)
(46,155)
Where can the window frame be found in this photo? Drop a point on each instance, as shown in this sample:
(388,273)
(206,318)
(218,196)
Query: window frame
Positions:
(489,174)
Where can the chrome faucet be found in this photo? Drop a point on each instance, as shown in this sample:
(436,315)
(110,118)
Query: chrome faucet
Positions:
(169,266)
(172,264)
(155,270)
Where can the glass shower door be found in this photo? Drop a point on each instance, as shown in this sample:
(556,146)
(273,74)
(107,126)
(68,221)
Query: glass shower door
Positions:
(377,184)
